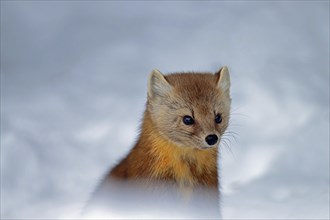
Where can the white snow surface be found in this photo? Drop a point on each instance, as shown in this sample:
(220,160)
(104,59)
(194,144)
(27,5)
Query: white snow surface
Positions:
(73,90)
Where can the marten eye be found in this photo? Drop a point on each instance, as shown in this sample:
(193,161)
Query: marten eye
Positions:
(187,120)
(218,118)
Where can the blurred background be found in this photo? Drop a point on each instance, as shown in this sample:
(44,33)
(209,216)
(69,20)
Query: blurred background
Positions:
(73,90)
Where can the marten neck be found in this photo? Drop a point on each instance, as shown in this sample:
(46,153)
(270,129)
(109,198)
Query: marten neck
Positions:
(184,165)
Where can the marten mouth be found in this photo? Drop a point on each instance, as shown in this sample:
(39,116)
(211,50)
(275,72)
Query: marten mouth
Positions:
(207,147)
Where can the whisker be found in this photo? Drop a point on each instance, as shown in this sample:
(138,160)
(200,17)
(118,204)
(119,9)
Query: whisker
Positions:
(223,141)
(230,136)
(234,125)
(235,109)
(239,114)
(226,139)
(231,132)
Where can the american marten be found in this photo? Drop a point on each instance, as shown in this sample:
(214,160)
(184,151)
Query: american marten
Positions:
(186,115)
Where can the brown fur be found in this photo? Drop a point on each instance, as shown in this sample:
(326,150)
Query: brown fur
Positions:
(169,150)
(156,158)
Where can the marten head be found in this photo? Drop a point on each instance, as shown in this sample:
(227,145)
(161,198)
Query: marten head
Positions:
(190,109)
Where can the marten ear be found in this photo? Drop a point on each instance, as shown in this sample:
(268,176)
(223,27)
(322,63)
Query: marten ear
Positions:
(223,79)
(158,85)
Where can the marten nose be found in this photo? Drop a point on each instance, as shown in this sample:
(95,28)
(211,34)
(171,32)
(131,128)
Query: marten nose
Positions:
(211,139)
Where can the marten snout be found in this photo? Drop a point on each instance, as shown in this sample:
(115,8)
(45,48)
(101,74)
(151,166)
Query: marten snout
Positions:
(211,139)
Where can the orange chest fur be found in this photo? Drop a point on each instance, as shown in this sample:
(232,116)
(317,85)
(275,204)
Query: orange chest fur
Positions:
(187,167)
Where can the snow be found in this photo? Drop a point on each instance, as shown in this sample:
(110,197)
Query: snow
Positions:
(73,90)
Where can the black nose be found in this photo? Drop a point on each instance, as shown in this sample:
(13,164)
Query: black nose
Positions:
(211,139)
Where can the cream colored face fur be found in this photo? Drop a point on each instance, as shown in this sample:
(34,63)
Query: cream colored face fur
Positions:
(199,95)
